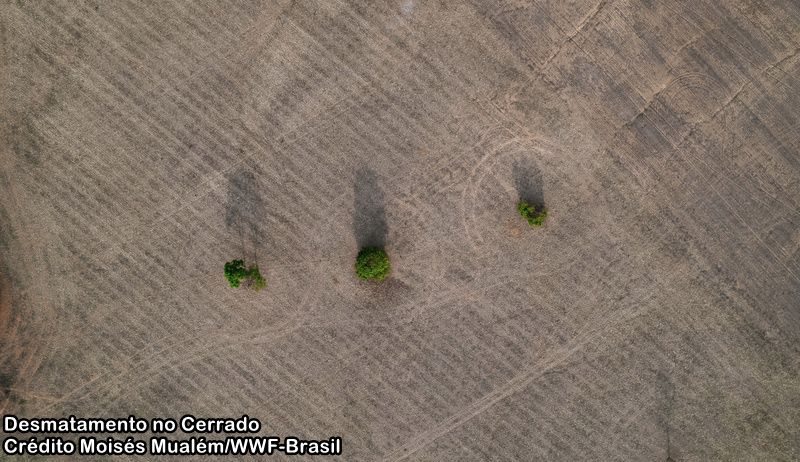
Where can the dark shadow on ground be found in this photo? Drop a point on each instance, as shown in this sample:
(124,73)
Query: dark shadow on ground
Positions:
(369,215)
(244,210)
(528,181)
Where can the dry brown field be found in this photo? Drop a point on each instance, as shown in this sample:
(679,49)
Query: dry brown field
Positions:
(656,315)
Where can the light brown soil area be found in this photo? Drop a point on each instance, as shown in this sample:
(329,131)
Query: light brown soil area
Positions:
(654,317)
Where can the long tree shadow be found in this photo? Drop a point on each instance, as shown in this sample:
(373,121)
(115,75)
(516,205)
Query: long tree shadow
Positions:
(528,181)
(244,210)
(369,214)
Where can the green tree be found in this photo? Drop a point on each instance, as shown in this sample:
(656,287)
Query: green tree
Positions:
(236,272)
(535,215)
(372,263)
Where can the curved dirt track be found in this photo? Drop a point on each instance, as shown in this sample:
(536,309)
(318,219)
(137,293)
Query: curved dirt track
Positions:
(654,317)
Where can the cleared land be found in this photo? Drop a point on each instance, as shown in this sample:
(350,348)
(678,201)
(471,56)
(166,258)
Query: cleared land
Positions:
(656,315)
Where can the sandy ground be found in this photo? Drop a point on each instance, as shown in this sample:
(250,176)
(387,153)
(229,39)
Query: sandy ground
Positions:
(656,316)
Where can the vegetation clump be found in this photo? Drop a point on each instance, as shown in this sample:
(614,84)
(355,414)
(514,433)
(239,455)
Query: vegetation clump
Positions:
(535,215)
(372,263)
(236,273)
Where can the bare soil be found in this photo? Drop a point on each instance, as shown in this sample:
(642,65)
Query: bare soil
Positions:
(655,316)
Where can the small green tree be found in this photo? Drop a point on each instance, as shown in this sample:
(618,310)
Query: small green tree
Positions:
(236,272)
(535,215)
(372,263)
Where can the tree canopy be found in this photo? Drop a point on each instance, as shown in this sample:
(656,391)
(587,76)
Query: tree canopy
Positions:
(372,263)
(236,273)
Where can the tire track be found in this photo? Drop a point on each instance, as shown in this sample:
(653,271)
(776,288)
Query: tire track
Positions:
(516,384)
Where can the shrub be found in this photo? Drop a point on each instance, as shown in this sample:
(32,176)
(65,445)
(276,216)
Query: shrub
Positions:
(257,281)
(535,215)
(372,263)
(235,273)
